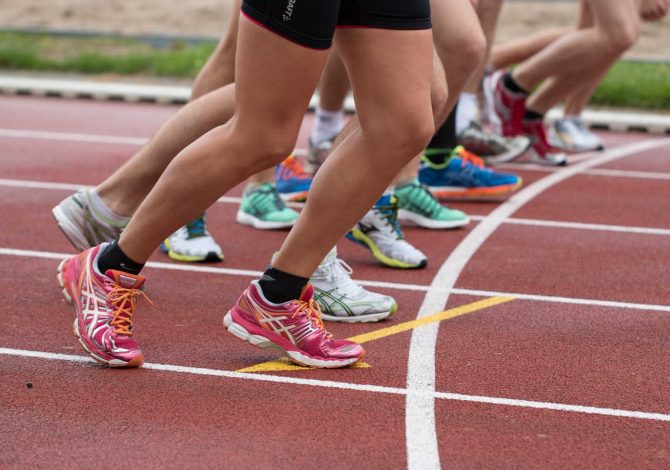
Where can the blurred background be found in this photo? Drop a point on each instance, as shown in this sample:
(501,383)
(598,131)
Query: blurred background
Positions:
(169,40)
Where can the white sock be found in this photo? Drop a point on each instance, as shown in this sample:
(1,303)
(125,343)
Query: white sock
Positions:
(466,112)
(103,212)
(327,125)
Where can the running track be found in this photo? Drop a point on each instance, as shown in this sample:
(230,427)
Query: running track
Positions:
(537,337)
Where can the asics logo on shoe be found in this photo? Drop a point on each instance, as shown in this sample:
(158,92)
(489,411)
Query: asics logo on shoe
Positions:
(288,12)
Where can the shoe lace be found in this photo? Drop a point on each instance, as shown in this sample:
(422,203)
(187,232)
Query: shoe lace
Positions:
(268,200)
(390,215)
(312,311)
(341,273)
(294,168)
(468,157)
(422,197)
(124,301)
(197,227)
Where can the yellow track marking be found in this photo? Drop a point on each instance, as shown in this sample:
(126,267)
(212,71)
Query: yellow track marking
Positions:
(286,365)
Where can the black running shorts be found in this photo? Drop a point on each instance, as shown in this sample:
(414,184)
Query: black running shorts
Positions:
(312,23)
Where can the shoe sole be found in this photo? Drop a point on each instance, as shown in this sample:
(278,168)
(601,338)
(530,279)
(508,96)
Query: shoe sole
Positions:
(299,196)
(360,238)
(425,222)
(113,363)
(70,230)
(247,219)
(368,318)
(211,256)
(453,193)
(241,333)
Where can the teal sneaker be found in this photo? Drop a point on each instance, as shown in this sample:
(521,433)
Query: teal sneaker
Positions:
(262,208)
(418,205)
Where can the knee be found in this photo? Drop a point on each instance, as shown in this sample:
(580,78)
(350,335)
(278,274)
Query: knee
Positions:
(468,50)
(268,147)
(406,137)
(621,38)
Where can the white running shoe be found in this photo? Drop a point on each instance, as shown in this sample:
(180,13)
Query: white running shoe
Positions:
(83,226)
(192,243)
(342,299)
(380,232)
(572,135)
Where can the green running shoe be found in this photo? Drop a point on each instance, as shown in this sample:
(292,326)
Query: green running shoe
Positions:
(262,208)
(418,205)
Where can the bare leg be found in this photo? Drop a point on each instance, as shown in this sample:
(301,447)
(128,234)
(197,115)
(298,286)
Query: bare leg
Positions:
(400,101)
(210,166)
(334,84)
(517,50)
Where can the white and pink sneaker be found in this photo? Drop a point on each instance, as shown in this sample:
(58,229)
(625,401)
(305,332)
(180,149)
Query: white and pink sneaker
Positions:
(104,306)
(295,327)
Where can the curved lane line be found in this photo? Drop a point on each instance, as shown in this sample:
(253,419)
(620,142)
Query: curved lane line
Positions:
(420,430)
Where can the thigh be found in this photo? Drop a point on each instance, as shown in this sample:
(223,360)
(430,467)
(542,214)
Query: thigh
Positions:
(609,15)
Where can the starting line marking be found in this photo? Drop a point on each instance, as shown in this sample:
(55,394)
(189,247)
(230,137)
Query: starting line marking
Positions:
(284,364)
(359,387)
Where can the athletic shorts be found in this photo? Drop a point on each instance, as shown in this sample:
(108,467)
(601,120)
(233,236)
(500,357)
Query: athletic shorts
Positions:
(312,23)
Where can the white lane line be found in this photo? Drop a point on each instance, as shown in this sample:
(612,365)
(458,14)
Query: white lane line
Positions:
(650,175)
(72,137)
(28,184)
(379,284)
(420,429)
(356,387)
(581,226)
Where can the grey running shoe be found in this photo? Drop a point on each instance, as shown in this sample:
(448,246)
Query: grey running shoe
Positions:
(492,148)
(316,155)
(572,135)
(193,243)
(83,226)
(380,232)
(342,299)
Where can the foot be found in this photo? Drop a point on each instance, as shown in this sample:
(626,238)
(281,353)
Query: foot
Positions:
(504,108)
(342,299)
(262,208)
(418,205)
(104,305)
(464,176)
(292,181)
(193,244)
(380,232)
(492,148)
(83,226)
(541,151)
(572,135)
(317,154)
(294,327)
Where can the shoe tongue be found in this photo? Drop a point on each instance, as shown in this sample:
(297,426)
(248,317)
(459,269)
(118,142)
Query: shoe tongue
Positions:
(126,280)
(307,293)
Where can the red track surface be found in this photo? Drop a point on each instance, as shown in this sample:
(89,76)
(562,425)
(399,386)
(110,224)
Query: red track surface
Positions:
(546,350)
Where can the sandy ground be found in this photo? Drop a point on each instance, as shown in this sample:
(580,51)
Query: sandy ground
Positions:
(209,18)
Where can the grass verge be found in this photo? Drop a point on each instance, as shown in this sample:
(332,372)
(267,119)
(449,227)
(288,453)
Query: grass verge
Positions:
(629,84)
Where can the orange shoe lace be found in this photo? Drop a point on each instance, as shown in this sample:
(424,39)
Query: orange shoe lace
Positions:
(294,167)
(124,301)
(469,157)
(313,312)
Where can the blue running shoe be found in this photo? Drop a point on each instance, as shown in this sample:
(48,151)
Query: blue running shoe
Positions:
(292,182)
(464,176)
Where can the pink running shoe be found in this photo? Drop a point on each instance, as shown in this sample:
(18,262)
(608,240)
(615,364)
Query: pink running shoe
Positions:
(104,305)
(295,327)
(541,151)
(505,108)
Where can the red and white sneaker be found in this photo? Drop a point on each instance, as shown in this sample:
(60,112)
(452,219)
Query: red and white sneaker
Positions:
(541,151)
(505,109)
(104,305)
(295,327)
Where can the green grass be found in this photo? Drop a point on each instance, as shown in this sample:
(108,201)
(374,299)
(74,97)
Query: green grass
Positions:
(629,84)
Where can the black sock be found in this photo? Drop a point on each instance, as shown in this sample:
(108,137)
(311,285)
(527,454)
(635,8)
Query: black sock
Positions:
(512,85)
(531,115)
(279,287)
(443,141)
(113,257)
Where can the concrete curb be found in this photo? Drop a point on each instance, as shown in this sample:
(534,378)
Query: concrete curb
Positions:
(621,121)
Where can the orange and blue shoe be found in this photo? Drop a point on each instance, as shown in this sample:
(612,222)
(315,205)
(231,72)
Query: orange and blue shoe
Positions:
(104,305)
(464,176)
(292,182)
(294,327)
